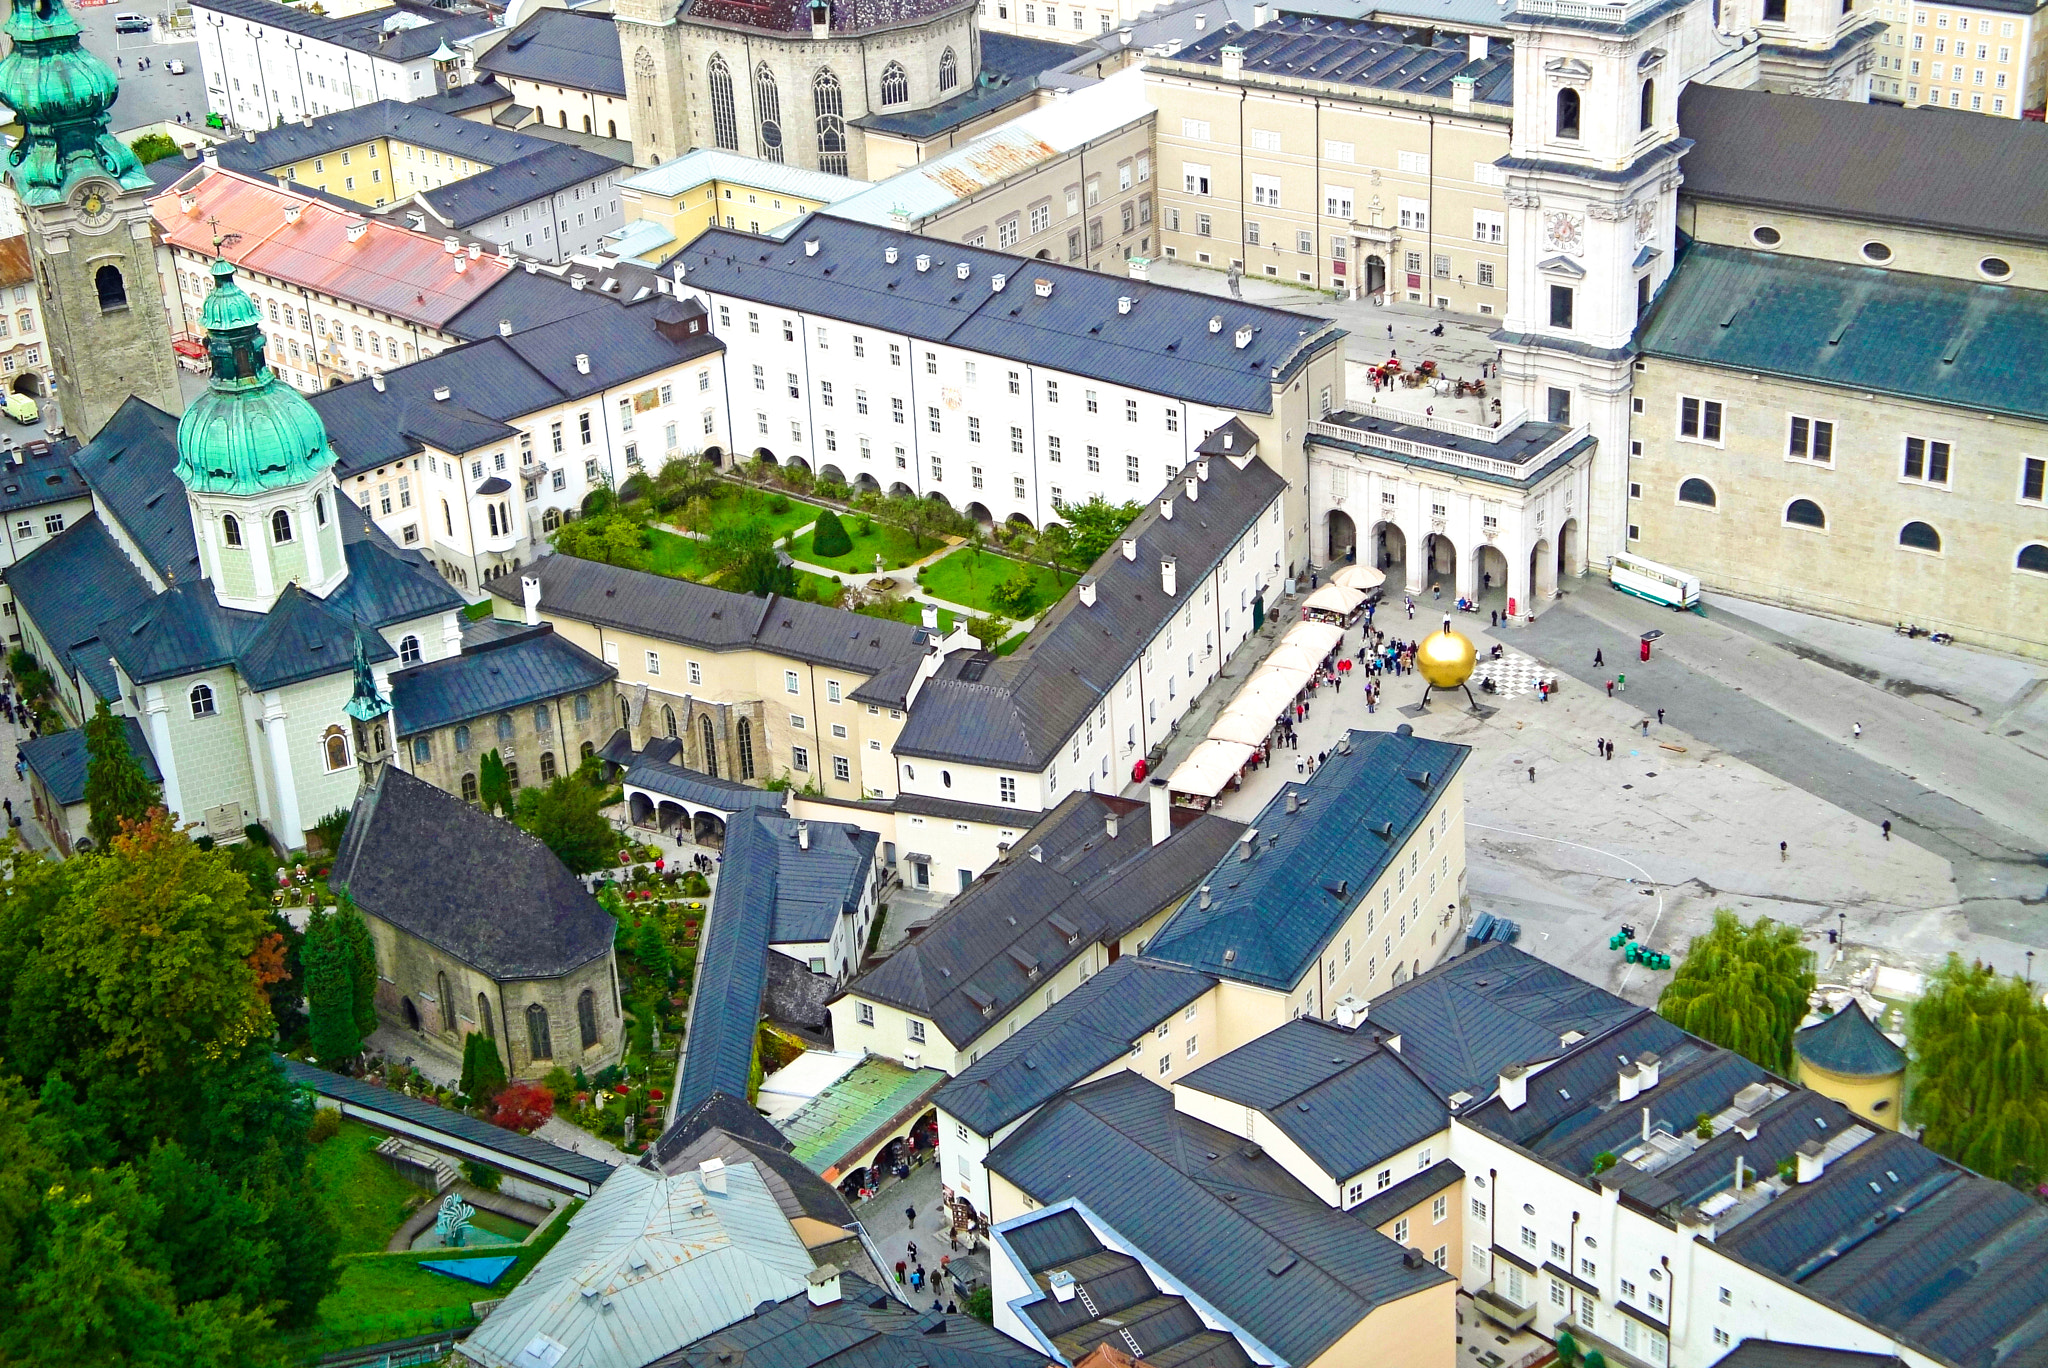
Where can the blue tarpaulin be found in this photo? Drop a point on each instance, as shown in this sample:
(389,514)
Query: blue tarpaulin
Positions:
(482,1272)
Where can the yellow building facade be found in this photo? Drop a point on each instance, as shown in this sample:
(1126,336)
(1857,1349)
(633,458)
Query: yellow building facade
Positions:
(1989,58)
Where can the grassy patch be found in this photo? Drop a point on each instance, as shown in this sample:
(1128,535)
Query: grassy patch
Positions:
(950,579)
(679,557)
(366,1197)
(477,612)
(822,588)
(499,1225)
(912,612)
(896,547)
(1009,644)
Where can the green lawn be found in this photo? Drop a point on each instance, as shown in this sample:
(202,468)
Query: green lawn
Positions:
(823,589)
(895,545)
(680,557)
(364,1194)
(796,512)
(389,1296)
(912,612)
(949,579)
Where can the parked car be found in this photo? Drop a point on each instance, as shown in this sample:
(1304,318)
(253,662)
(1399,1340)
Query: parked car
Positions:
(131,22)
(177,68)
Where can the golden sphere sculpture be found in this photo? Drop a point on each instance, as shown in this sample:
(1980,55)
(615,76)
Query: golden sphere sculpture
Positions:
(1446,658)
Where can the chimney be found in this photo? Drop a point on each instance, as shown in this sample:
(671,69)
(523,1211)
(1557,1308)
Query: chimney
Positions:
(1169,575)
(475,250)
(1233,62)
(1244,337)
(1201,23)
(1293,802)
(1166,508)
(249,135)
(810,246)
(1123,304)
(1088,593)
(461,264)
(997,281)
(1812,1161)
(889,255)
(577,282)
(1514,1087)
(292,212)
(357,229)
(1202,465)
(451,244)
(1461,92)
(441,393)
(377,382)
(1205,899)
(1037,853)
(1042,287)
(1130,548)
(803,835)
(1475,47)
(1646,1066)
(824,1280)
(1139,268)
(1062,1285)
(1247,844)
(929,615)
(504,327)
(1194,488)
(924,262)
(583,363)
(711,1176)
(962,271)
(1630,1083)
(529,585)
(1259,16)
(1161,800)
(1215,323)
(1109,824)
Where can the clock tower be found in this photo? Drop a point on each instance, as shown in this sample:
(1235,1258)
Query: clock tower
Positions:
(86,200)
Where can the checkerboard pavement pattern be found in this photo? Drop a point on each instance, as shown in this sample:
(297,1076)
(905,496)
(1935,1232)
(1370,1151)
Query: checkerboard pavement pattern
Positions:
(1514,673)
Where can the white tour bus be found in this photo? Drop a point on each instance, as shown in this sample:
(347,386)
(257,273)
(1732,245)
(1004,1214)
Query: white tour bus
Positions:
(1658,583)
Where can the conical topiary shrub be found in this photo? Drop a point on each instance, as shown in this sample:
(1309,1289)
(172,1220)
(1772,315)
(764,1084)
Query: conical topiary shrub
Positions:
(829,537)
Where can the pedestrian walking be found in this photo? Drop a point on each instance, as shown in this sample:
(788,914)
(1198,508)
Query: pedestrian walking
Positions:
(1660,717)
(1599,663)
(1646,726)
(1858,729)
(1493,618)
(1783,853)
(901,1266)
(1610,688)
(910,1216)
(1887,821)
(1532,774)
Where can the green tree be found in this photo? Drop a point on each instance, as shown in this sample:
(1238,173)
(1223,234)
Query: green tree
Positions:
(1095,525)
(923,519)
(153,147)
(650,947)
(609,536)
(494,786)
(483,1071)
(116,787)
(990,631)
(362,963)
(683,481)
(1056,544)
(1017,595)
(568,817)
(330,991)
(1744,988)
(828,537)
(741,548)
(1980,1049)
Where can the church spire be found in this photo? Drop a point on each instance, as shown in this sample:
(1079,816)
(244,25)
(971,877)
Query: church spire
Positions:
(61,93)
(371,712)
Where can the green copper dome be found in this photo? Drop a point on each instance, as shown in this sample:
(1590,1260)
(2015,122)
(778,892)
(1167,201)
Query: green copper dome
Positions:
(249,432)
(61,93)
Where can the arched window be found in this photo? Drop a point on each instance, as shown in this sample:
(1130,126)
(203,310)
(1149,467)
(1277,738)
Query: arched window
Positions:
(504,726)
(586,1018)
(2033,558)
(768,111)
(830,107)
(408,650)
(949,70)
(541,720)
(710,745)
(231,530)
(462,740)
(586,124)
(895,85)
(551,520)
(725,124)
(320,501)
(469,788)
(743,742)
(334,748)
(589,748)
(422,750)
(281,527)
(202,700)
(1805,513)
(625,714)
(1648,111)
(547,767)
(447,1002)
(611,128)
(582,707)
(1697,491)
(1919,536)
(538,1043)
(113,290)
(483,1015)
(1568,113)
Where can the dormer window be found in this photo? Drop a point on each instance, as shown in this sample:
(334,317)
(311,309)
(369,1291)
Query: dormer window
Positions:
(281,527)
(231,530)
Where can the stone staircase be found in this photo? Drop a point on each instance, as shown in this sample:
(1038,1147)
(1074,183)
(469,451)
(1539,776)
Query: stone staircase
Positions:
(418,1165)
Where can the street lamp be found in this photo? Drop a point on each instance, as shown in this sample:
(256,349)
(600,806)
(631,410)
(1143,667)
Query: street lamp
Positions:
(1842,927)
(2030,966)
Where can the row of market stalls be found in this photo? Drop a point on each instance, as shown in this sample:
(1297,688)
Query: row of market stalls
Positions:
(1248,720)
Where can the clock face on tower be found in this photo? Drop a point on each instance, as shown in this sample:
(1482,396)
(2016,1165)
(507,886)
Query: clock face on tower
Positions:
(94,209)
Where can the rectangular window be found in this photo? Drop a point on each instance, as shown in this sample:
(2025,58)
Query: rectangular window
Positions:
(1440,1210)
(1489,226)
(842,769)
(864,1013)
(1926,461)
(653,662)
(789,682)
(2033,477)
(799,759)
(1131,466)
(1560,306)
(1266,191)
(1337,201)
(931,418)
(1486,278)
(1812,439)
(1699,420)
(1194,178)
(1095,459)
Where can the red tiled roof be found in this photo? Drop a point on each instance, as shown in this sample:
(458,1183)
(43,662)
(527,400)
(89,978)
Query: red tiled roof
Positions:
(405,274)
(14,266)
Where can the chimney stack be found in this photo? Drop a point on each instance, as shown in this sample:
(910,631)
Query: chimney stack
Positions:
(529,585)
(1475,47)
(810,246)
(504,327)
(1461,92)
(1629,1084)
(1812,1161)
(1169,575)
(583,363)
(1166,507)
(803,835)
(377,382)
(1646,1069)
(1514,1087)
(1233,62)
(1194,488)
(1161,800)
(1110,824)
(711,1176)
(1088,593)
(928,614)
(1130,548)
(1037,853)
(824,1285)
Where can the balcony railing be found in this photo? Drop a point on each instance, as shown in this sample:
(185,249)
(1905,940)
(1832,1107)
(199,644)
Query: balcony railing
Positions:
(1586,9)
(1448,455)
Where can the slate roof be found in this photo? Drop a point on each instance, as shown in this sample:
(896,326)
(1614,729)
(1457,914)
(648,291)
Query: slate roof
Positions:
(552,170)
(732,965)
(1360,52)
(701,165)
(712,619)
(716,1111)
(1464,1021)
(1293,1272)
(708,790)
(130,464)
(672,1259)
(1849,1043)
(492,676)
(1872,162)
(1025,919)
(1163,346)
(1763,1353)
(574,48)
(1269,917)
(66,585)
(1956,342)
(1011,68)
(469,883)
(1022,711)
(816,887)
(797,1190)
(362,30)
(46,475)
(449,134)
(865,1328)
(1090,1028)
(59,760)
(1345,1098)
(495,380)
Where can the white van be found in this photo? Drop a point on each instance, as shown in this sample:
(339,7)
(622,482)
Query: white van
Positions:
(131,23)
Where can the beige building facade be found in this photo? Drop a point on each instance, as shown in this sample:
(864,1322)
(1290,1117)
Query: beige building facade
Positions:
(1988,58)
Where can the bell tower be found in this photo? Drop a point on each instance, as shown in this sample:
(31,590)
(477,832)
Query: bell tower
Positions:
(85,198)
(1592,193)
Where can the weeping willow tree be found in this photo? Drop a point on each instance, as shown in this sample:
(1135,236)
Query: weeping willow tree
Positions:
(1744,988)
(1980,1051)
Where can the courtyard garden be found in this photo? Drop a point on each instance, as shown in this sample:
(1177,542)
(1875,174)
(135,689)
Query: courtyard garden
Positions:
(992,582)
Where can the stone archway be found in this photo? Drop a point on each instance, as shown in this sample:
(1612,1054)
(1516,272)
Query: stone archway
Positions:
(708,829)
(1389,547)
(865,483)
(640,809)
(799,463)
(29,383)
(1493,571)
(1440,561)
(673,817)
(901,490)
(1375,274)
(764,456)
(1340,537)
(410,1012)
(979,512)
(1571,556)
(1542,574)
(832,473)
(1020,520)
(715,455)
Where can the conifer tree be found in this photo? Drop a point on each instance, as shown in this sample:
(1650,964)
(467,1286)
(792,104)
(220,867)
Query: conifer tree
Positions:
(116,786)
(330,990)
(354,934)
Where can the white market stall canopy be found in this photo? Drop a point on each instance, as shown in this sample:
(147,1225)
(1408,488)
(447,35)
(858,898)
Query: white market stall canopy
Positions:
(1334,598)
(1360,577)
(1319,637)
(1209,767)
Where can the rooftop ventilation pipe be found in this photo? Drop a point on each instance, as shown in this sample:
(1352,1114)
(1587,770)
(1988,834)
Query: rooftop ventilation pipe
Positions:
(1160,799)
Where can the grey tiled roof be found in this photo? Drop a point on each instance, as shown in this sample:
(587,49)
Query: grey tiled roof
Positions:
(1763,1353)
(1088,1029)
(865,1328)
(555,168)
(578,49)
(713,619)
(716,1110)
(130,465)
(1377,55)
(1163,345)
(1025,707)
(815,887)
(491,676)
(1346,1099)
(1159,1177)
(446,133)
(473,885)
(1011,66)
(1270,916)
(67,585)
(362,30)
(707,790)
(47,476)
(732,967)
(1849,1043)
(59,760)
(1025,919)
(302,638)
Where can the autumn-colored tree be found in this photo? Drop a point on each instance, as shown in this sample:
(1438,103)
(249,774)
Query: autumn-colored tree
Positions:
(523,1107)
